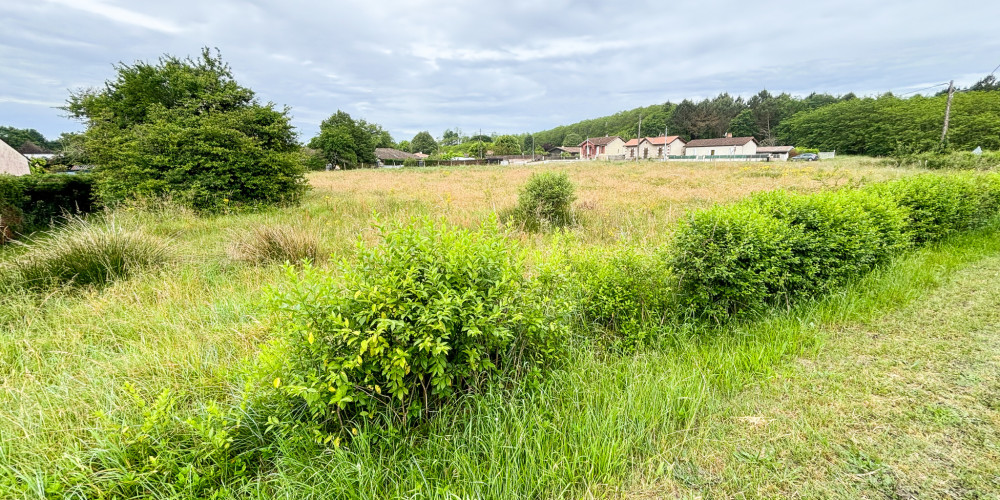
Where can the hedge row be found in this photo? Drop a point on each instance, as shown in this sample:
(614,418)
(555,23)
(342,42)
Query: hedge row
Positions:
(777,247)
(34,202)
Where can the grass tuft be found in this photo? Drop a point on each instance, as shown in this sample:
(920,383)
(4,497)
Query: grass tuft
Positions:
(84,252)
(269,244)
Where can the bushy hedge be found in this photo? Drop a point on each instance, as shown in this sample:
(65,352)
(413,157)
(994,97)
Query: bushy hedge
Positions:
(623,292)
(963,160)
(430,313)
(776,247)
(32,202)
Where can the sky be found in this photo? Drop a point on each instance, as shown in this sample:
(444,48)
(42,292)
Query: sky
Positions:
(509,66)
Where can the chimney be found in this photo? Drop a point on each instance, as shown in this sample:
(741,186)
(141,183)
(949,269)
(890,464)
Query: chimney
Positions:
(729,135)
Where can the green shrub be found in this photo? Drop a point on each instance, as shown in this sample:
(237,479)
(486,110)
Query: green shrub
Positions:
(623,292)
(777,247)
(430,313)
(938,205)
(836,235)
(33,202)
(85,253)
(203,456)
(185,128)
(410,162)
(268,244)
(961,160)
(803,151)
(545,201)
(730,259)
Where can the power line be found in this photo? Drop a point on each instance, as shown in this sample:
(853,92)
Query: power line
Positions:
(923,89)
(995,70)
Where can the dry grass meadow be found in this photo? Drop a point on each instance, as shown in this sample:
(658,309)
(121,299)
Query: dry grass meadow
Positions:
(621,201)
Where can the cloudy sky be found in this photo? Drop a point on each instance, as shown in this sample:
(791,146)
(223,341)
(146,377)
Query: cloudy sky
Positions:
(503,66)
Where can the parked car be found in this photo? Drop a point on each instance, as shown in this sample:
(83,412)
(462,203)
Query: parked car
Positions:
(806,157)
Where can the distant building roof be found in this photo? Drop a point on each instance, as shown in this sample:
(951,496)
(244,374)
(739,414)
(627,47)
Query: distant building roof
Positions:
(392,154)
(566,149)
(600,141)
(661,140)
(656,141)
(775,149)
(722,141)
(12,162)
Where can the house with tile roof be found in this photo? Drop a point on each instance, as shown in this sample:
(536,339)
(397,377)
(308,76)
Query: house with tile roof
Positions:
(723,146)
(12,162)
(654,147)
(779,153)
(602,148)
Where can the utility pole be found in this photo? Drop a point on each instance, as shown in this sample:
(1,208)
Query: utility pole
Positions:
(638,139)
(666,132)
(947,111)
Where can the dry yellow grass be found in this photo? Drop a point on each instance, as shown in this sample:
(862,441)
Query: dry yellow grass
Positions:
(621,201)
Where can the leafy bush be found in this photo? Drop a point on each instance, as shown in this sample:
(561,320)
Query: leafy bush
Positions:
(835,235)
(432,312)
(199,457)
(963,160)
(803,151)
(730,259)
(267,244)
(85,253)
(776,247)
(187,129)
(545,201)
(623,292)
(938,206)
(34,202)
(410,162)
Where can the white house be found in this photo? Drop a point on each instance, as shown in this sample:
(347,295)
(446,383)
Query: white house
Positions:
(779,153)
(723,146)
(12,162)
(654,147)
(602,148)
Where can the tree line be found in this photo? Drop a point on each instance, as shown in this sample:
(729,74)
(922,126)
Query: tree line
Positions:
(876,126)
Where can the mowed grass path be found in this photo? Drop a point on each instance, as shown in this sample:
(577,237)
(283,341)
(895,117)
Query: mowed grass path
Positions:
(905,405)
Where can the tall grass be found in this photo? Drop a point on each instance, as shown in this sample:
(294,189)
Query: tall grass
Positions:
(266,244)
(83,252)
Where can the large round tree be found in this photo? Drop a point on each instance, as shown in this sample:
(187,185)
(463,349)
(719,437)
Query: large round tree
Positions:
(184,129)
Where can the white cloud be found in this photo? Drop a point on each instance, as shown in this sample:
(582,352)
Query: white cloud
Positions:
(120,15)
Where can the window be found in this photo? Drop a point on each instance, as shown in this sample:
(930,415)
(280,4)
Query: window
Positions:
(659,152)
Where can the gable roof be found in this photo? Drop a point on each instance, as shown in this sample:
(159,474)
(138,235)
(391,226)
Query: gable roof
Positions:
(392,154)
(775,149)
(566,149)
(12,162)
(600,141)
(722,141)
(656,141)
(661,140)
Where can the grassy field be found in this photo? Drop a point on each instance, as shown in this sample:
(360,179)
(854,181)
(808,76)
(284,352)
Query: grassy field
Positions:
(607,425)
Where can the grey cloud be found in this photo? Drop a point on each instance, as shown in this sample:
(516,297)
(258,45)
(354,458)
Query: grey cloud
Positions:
(513,66)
